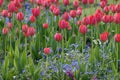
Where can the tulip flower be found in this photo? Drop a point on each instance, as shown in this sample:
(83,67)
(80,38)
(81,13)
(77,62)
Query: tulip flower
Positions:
(32,18)
(104,36)
(45,25)
(47,50)
(20,16)
(5,31)
(66,2)
(58,37)
(83,29)
(35,12)
(73,13)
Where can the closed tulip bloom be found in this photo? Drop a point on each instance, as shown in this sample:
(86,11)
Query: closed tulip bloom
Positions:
(106,1)
(1,2)
(9,25)
(85,2)
(117,37)
(75,3)
(112,8)
(79,11)
(102,4)
(45,25)
(56,11)
(47,50)
(36,12)
(66,2)
(17,3)
(31,31)
(32,18)
(79,22)
(73,13)
(91,1)
(83,29)
(11,7)
(66,16)
(20,16)
(63,24)
(85,21)
(106,9)
(52,7)
(39,2)
(92,20)
(105,18)
(104,36)
(5,31)
(58,37)
(4,13)
(98,17)
(24,28)
(117,8)
(117,18)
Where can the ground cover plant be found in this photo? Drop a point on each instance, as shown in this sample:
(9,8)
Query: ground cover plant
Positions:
(59,40)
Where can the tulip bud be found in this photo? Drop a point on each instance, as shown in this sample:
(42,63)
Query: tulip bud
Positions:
(104,36)
(45,25)
(5,31)
(117,37)
(36,12)
(58,37)
(9,24)
(20,16)
(47,50)
(32,18)
(5,13)
(73,13)
(83,29)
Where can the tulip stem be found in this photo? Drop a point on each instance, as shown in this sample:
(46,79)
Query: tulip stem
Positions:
(117,52)
(62,48)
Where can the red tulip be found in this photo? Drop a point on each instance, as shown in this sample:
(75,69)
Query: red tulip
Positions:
(36,12)
(47,50)
(39,2)
(11,7)
(106,1)
(79,22)
(105,19)
(85,2)
(66,2)
(102,4)
(92,20)
(31,31)
(73,13)
(45,25)
(112,8)
(5,31)
(75,3)
(20,16)
(63,24)
(66,16)
(79,11)
(1,2)
(83,29)
(9,24)
(117,18)
(85,21)
(91,1)
(25,28)
(106,9)
(52,7)
(117,8)
(32,18)
(58,37)
(104,36)
(117,37)
(98,17)
(56,11)
(5,13)
(17,3)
